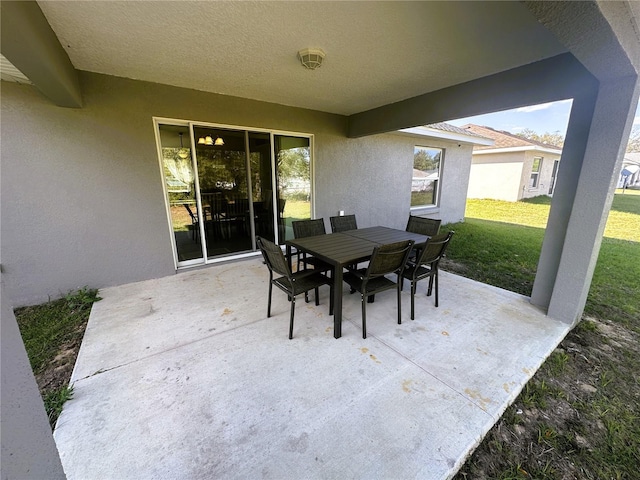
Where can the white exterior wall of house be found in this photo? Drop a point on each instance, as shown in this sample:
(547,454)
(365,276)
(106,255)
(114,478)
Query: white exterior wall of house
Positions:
(506,175)
(82,200)
(496,176)
(544,182)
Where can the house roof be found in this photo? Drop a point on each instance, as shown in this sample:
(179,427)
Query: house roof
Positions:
(508,141)
(445,131)
(447,127)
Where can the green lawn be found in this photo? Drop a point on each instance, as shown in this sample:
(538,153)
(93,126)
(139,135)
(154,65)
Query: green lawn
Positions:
(500,242)
(578,416)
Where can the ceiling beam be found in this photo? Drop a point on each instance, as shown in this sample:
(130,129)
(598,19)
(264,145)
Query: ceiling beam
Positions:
(557,78)
(30,44)
(602,35)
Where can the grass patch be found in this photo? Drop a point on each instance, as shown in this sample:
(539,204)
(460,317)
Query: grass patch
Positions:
(499,254)
(579,416)
(52,333)
(54,401)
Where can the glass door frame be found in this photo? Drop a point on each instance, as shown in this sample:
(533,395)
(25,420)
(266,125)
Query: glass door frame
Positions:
(157,121)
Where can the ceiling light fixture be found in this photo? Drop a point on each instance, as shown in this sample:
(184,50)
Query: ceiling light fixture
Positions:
(311,58)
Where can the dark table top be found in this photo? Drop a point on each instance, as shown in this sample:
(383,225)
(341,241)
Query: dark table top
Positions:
(352,246)
(384,235)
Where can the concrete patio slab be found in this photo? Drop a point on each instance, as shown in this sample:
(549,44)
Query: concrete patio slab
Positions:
(185,377)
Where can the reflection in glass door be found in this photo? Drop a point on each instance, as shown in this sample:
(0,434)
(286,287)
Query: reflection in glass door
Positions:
(180,186)
(293,167)
(234,172)
(225,186)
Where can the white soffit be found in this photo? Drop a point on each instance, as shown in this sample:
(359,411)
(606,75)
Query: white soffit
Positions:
(425,132)
(533,148)
(9,73)
(376,52)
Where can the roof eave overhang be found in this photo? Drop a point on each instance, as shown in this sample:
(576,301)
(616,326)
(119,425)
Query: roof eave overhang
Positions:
(529,148)
(425,132)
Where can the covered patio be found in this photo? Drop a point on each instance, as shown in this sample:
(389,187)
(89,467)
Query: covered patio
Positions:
(172,380)
(185,377)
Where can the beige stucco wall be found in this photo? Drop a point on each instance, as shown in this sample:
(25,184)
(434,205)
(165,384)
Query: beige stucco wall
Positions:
(82,200)
(506,175)
(545,174)
(496,176)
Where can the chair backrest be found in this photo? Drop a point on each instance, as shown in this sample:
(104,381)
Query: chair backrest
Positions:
(308,228)
(273,257)
(435,249)
(194,219)
(389,258)
(343,223)
(423,226)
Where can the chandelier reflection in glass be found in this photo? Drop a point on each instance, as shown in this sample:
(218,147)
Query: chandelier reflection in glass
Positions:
(208,140)
(183,152)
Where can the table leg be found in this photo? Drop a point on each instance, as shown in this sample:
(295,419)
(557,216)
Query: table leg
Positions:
(337,301)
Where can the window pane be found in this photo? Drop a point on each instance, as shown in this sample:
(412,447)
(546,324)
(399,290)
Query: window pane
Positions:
(534,180)
(426,174)
(537,164)
(293,157)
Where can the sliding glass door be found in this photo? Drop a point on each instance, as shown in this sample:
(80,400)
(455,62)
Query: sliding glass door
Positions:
(180,187)
(235,184)
(225,185)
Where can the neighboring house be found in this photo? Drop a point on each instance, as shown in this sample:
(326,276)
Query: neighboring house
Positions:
(512,168)
(630,173)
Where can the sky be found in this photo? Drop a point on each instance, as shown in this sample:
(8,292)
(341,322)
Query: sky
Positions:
(544,118)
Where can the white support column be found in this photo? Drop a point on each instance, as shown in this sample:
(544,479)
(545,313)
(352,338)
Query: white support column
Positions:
(583,197)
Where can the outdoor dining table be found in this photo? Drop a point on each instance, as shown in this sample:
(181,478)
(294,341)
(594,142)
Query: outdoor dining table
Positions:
(348,248)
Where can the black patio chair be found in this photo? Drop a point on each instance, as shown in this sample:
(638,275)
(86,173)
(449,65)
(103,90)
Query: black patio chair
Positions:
(310,228)
(423,226)
(385,259)
(343,223)
(292,284)
(426,265)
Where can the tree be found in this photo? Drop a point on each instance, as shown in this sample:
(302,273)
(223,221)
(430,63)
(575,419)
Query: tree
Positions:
(555,139)
(634,140)
(426,159)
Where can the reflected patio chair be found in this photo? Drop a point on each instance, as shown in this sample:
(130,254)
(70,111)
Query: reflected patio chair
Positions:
(386,259)
(343,223)
(310,228)
(292,284)
(426,265)
(195,225)
(423,226)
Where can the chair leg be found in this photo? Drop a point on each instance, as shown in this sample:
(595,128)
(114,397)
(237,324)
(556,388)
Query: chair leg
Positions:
(413,294)
(269,304)
(364,316)
(293,310)
(430,288)
(317,297)
(435,276)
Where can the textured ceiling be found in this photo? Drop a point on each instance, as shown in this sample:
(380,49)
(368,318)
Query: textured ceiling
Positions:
(376,52)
